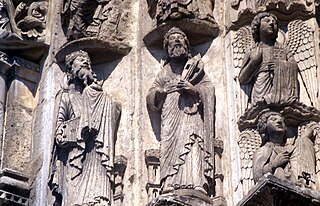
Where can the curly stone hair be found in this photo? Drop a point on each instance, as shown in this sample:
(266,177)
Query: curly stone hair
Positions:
(255,24)
(72,56)
(69,61)
(262,125)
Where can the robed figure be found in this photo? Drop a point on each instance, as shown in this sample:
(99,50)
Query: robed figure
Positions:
(183,96)
(87,119)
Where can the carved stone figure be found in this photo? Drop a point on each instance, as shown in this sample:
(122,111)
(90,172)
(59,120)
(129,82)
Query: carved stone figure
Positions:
(173,10)
(92,18)
(269,71)
(33,24)
(267,67)
(294,160)
(6,31)
(183,96)
(83,155)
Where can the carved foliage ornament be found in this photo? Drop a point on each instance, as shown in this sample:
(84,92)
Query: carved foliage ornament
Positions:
(27,20)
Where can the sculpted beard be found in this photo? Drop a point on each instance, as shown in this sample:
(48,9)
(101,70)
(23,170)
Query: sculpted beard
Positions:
(178,51)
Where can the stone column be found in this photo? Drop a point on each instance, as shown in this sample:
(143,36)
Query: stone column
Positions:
(17,90)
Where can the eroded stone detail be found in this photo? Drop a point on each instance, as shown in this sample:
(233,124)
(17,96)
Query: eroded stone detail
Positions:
(98,18)
(164,10)
(82,170)
(268,69)
(279,134)
(183,96)
(32,25)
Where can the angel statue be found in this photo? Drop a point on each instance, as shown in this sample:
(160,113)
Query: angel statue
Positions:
(182,96)
(84,139)
(275,147)
(269,70)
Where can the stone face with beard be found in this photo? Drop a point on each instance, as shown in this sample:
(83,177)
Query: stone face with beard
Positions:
(82,69)
(177,47)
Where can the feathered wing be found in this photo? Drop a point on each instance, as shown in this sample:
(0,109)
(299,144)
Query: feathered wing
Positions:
(242,44)
(249,142)
(302,49)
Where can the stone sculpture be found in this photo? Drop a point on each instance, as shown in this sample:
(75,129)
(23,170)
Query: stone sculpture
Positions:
(83,154)
(256,4)
(26,21)
(267,68)
(166,10)
(6,31)
(32,25)
(183,96)
(291,160)
(98,18)
(278,133)
(269,71)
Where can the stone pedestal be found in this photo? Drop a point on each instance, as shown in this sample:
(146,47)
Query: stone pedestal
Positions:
(273,191)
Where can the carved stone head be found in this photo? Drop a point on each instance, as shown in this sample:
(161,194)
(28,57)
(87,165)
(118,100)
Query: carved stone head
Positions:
(267,23)
(78,66)
(269,124)
(176,44)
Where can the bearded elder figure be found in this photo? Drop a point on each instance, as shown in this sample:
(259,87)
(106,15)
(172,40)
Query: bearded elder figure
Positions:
(183,96)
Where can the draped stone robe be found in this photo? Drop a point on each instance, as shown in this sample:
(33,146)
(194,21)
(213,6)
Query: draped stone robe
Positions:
(275,80)
(82,169)
(187,131)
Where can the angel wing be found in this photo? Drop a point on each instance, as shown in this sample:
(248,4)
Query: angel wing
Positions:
(243,42)
(301,45)
(249,142)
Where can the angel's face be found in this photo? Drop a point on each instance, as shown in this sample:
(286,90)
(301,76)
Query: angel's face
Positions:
(268,27)
(275,123)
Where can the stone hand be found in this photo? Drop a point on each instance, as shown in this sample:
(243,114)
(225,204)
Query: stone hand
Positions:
(280,160)
(186,86)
